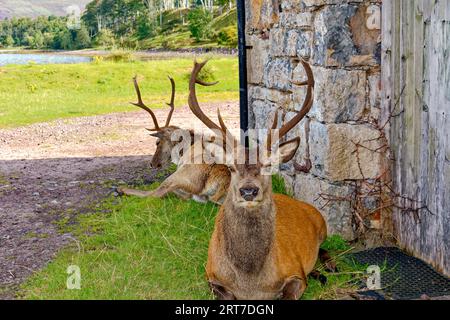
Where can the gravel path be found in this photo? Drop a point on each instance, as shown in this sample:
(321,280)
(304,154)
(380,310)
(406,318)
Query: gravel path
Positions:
(48,170)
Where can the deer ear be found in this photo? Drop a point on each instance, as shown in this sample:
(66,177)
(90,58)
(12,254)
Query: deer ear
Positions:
(157,134)
(285,152)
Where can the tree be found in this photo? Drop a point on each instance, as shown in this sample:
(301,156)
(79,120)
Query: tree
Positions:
(38,42)
(199,20)
(82,38)
(66,40)
(105,38)
(9,42)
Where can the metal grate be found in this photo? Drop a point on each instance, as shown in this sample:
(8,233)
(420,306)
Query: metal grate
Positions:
(403,276)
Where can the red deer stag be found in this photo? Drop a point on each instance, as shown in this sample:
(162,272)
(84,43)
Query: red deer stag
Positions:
(264,245)
(201,182)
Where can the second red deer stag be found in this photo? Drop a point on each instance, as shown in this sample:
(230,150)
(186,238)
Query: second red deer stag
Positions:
(201,182)
(264,245)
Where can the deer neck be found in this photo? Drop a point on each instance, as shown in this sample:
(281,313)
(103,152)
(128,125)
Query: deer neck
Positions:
(249,235)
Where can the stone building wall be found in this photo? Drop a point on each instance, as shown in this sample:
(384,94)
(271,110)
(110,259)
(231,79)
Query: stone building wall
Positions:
(342,41)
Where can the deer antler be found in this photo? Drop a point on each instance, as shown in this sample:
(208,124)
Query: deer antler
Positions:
(171,104)
(195,106)
(307,104)
(142,105)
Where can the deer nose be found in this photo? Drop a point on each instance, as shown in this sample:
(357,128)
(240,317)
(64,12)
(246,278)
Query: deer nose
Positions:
(249,194)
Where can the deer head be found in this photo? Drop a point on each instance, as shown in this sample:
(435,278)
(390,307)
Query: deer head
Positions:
(164,144)
(251,186)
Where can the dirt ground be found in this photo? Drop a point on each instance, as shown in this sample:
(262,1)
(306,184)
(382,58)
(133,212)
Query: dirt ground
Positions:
(48,169)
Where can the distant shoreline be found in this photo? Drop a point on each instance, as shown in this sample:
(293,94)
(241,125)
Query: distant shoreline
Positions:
(141,54)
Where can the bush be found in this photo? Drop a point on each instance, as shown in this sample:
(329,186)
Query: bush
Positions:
(82,39)
(66,40)
(120,56)
(228,36)
(206,75)
(9,42)
(199,21)
(105,38)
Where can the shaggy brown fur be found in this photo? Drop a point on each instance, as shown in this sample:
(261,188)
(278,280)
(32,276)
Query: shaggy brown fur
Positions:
(289,251)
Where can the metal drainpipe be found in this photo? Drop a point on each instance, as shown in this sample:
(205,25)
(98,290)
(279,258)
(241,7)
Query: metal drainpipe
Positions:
(243,91)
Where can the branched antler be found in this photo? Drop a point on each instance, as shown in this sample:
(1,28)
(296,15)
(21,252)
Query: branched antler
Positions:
(142,105)
(195,106)
(307,104)
(171,104)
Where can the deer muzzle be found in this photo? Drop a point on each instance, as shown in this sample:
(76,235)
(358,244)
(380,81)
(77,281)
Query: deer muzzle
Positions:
(249,193)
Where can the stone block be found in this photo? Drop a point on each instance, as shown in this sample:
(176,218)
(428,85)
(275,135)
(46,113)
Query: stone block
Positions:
(339,95)
(337,214)
(261,14)
(296,20)
(278,74)
(291,43)
(281,98)
(257,60)
(334,156)
(343,38)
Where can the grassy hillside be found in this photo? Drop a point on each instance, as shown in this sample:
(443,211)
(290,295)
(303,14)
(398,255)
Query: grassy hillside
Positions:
(33,8)
(175,32)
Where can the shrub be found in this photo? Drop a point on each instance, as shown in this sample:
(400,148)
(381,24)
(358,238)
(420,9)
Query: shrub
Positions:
(228,36)
(206,75)
(105,38)
(120,56)
(82,38)
(199,21)
(97,59)
(9,42)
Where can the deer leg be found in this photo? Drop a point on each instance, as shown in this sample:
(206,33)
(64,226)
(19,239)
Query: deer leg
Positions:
(133,192)
(315,274)
(165,187)
(327,261)
(293,288)
(182,194)
(219,196)
(199,199)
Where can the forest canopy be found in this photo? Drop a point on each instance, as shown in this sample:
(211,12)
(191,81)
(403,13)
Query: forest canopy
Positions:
(133,24)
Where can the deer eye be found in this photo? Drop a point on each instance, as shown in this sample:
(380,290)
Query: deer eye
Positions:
(232,169)
(158,142)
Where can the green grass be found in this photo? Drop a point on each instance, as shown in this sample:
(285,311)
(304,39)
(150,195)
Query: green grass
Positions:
(150,249)
(36,93)
(227,19)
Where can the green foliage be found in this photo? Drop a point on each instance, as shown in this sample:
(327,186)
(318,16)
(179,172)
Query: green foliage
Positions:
(199,21)
(125,24)
(228,36)
(43,32)
(105,39)
(225,20)
(120,56)
(82,38)
(278,185)
(207,74)
(9,41)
